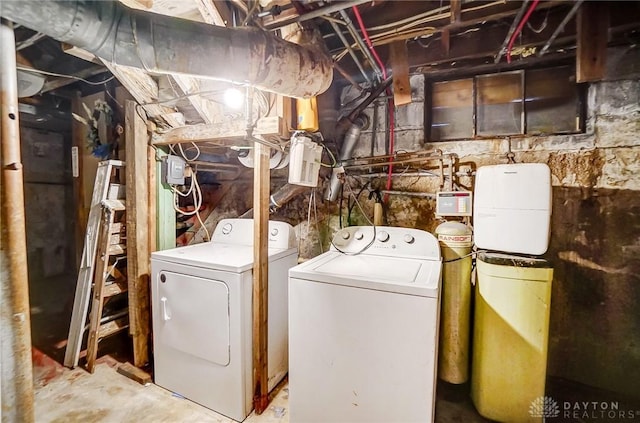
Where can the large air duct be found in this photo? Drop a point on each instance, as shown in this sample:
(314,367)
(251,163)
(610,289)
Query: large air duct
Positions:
(164,44)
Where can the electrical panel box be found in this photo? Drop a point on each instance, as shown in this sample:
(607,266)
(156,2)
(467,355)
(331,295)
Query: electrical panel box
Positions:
(173,170)
(453,203)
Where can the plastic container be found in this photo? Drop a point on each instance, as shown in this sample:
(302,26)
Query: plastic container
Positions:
(510,337)
(307,109)
(455,316)
(304,161)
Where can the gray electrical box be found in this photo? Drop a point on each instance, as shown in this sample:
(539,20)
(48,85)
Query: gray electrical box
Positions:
(453,203)
(173,168)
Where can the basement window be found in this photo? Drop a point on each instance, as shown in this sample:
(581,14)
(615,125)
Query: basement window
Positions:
(523,102)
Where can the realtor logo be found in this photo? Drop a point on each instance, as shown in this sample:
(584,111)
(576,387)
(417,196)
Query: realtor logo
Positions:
(544,407)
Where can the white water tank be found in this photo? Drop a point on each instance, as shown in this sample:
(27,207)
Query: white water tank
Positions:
(512,208)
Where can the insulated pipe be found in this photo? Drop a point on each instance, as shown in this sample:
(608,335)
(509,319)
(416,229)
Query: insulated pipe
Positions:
(514,24)
(279,198)
(361,44)
(326,10)
(560,27)
(352,53)
(15,328)
(165,44)
(346,151)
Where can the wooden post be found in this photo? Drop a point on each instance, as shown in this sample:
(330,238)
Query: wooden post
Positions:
(261,183)
(138,264)
(400,68)
(456,9)
(592,37)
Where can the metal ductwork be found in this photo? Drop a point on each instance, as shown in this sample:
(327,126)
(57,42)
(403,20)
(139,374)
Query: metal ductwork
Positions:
(163,44)
(346,151)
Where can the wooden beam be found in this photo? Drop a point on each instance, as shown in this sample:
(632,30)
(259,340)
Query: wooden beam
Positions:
(592,26)
(207,109)
(214,12)
(445,40)
(138,263)
(144,89)
(138,4)
(80,53)
(261,185)
(222,132)
(400,68)
(456,9)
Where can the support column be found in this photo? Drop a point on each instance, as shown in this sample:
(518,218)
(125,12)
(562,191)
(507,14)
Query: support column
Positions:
(16,379)
(261,184)
(138,256)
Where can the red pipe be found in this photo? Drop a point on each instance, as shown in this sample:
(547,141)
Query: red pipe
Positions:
(519,28)
(391,105)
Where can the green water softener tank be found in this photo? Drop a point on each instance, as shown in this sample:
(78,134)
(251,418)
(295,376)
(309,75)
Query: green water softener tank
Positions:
(455,316)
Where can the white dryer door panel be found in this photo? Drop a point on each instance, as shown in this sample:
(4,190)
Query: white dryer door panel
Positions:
(194,316)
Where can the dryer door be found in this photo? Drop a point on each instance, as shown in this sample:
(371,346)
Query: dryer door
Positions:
(194,316)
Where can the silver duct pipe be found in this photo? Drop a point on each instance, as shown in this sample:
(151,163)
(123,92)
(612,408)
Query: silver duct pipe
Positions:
(346,151)
(165,44)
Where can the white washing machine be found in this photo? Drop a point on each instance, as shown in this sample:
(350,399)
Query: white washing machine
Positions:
(202,316)
(363,329)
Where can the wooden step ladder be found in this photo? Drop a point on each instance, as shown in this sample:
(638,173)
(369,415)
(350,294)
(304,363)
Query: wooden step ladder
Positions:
(104,175)
(109,281)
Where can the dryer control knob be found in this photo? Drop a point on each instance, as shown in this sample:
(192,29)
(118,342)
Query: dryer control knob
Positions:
(226,229)
(345,234)
(274,231)
(383,236)
(359,235)
(409,239)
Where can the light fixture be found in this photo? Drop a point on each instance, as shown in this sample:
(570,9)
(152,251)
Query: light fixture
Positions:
(233,98)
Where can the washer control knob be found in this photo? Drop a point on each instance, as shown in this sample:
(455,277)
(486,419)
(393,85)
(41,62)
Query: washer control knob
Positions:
(409,239)
(359,235)
(226,229)
(383,236)
(274,231)
(345,234)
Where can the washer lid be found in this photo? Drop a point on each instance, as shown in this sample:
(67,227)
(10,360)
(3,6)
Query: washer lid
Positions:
(391,274)
(218,256)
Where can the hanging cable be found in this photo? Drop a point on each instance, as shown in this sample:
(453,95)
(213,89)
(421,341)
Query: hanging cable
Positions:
(391,105)
(196,192)
(519,28)
(62,75)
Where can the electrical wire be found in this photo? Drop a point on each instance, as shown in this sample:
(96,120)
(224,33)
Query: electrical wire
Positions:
(391,105)
(184,156)
(196,192)
(61,75)
(373,238)
(473,253)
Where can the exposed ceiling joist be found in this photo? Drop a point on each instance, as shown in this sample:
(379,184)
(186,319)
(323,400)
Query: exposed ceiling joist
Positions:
(144,89)
(213,12)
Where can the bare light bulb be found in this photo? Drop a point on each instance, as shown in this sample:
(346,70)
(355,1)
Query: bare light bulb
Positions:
(233,98)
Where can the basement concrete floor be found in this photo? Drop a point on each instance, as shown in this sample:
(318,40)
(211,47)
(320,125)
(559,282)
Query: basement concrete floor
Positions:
(64,395)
